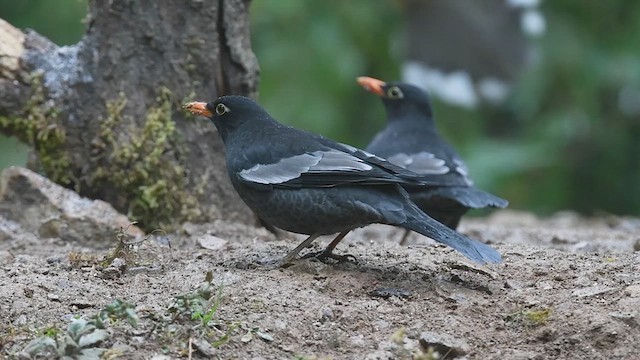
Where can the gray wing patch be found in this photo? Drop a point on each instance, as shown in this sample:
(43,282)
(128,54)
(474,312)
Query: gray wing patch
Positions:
(317,162)
(424,163)
(462,169)
(365,153)
(334,160)
(282,171)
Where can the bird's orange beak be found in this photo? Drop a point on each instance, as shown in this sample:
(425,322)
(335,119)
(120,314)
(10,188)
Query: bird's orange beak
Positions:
(198,108)
(372,85)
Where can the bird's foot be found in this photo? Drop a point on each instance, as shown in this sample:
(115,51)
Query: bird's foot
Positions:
(324,256)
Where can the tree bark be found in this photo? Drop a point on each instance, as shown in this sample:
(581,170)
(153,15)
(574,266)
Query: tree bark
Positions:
(104,116)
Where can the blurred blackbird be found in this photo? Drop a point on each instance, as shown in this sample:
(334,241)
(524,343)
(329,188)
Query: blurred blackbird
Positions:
(307,184)
(411,140)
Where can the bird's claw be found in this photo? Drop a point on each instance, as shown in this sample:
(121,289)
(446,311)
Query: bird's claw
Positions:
(323,256)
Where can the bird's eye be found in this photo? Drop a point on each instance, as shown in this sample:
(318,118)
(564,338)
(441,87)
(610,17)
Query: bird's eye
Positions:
(221,109)
(394,93)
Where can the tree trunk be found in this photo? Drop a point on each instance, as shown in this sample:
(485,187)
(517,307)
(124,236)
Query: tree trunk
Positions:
(104,116)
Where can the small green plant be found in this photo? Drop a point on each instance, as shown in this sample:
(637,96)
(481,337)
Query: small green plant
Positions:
(198,305)
(117,310)
(201,305)
(83,337)
(530,317)
(207,316)
(81,340)
(51,332)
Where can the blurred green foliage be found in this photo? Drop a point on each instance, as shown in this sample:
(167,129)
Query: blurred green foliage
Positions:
(59,20)
(310,53)
(580,109)
(569,137)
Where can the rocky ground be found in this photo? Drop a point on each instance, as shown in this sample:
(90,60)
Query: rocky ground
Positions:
(569,288)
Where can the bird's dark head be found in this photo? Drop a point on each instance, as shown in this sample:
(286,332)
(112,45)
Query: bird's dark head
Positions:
(229,112)
(401,100)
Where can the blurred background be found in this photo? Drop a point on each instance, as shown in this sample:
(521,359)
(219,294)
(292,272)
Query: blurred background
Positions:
(541,98)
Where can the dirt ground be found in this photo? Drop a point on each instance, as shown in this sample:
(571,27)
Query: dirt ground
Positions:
(568,288)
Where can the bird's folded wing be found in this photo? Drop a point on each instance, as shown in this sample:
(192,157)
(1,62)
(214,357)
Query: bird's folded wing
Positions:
(430,166)
(394,167)
(321,168)
(421,163)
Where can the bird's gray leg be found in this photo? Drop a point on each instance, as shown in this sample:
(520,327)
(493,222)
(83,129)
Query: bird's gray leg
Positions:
(329,249)
(405,236)
(292,254)
(327,253)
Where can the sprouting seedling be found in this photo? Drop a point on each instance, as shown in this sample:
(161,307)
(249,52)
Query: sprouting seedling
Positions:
(123,245)
(197,303)
(207,316)
(117,310)
(83,337)
(80,340)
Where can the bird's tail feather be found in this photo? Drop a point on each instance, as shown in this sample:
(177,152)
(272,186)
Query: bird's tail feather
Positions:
(470,197)
(422,223)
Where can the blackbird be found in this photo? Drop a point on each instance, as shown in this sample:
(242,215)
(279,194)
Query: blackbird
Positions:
(308,184)
(411,140)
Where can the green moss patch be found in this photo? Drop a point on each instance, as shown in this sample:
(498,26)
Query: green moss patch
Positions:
(142,164)
(38,126)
